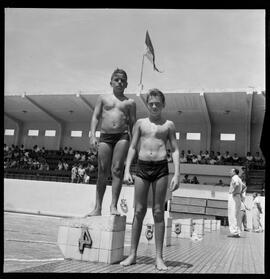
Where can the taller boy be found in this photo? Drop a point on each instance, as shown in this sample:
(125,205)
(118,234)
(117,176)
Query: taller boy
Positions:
(117,114)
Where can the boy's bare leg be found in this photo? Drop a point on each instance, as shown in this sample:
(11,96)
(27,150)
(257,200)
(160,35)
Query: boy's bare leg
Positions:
(159,196)
(104,160)
(141,192)
(117,169)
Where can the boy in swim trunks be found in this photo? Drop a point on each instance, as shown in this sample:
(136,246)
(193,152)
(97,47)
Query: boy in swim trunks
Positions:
(150,136)
(117,114)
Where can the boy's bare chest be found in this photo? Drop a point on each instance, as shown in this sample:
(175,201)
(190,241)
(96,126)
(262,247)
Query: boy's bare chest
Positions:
(153,130)
(115,105)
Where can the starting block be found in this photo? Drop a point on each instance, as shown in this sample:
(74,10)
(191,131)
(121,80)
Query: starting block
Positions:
(96,238)
(218,225)
(214,225)
(182,228)
(208,225)
(199,226)
(148,229)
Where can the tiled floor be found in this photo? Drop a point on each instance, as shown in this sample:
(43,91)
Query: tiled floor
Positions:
(31,246)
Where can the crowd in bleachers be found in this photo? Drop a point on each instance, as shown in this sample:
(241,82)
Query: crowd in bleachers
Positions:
(187,180)
(81,165)
(212,158)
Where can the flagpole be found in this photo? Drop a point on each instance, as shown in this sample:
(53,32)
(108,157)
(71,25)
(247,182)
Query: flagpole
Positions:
(140,84)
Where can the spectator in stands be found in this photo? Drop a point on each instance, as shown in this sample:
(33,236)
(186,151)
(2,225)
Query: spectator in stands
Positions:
(65,166)
(42,151)
(182,157)
(44,166)
(235,159)
(186,179)
(212,158)
(77,156)
(60,165)
(249,160)
(220,183)
(81,173)
(22,148)
(88,172)
(258,161)
(219,159)
(194,180)
(189,156)
(6,163)
(74,174)
(6,148)
(13,163)
(70,151)
(60,152)
(16,153)
(194,159)
(65,151)
(199,157)
(29,162)
(256,211)
(227,158)
(93,160)
(83,157)
(206,157)
(35,164)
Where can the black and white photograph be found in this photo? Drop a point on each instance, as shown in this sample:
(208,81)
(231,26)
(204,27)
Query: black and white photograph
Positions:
(133,140)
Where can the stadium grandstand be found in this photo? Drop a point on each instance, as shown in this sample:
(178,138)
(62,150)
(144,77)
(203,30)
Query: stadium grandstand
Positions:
(49,169)
(45,132)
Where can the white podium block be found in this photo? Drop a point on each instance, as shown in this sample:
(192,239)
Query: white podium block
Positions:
(208,225)
(214,225)
(199,226)
(218,225)
(182,228)
(148,229)
(97,238)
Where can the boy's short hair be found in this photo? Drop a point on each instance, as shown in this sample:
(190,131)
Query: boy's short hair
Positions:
(155,92)
(119,71)
(236,171)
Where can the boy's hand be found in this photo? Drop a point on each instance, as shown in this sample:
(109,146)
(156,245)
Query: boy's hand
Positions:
(93,143)
(128,179)
(175,182)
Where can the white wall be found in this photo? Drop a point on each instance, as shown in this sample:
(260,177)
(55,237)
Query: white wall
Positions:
(57,198)
(76,200)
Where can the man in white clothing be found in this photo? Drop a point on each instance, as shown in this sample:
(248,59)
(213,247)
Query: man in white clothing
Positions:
(234,203)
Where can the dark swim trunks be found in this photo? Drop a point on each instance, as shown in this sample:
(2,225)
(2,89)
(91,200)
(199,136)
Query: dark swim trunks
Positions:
(152,170)
(112,139)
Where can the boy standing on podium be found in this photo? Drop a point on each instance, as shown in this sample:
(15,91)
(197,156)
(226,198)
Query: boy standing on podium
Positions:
(117,114)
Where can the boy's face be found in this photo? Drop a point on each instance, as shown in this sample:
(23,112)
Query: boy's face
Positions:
(155,105)
(119,82)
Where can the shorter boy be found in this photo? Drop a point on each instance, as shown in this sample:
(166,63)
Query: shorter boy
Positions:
(150,136)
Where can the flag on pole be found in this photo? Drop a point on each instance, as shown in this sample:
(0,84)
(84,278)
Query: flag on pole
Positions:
(150,54)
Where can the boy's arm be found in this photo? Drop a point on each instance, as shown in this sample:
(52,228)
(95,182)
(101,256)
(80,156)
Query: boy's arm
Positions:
(133,146)
(175,156)
(175,149)
(132,117)
(95,119)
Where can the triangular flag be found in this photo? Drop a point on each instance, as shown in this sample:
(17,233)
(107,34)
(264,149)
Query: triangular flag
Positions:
(150,54)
